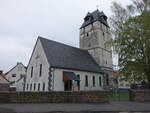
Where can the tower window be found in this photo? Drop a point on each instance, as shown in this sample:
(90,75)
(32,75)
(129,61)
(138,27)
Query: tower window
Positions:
(86,80)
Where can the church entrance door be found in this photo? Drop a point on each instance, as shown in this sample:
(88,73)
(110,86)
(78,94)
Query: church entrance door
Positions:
(68,85)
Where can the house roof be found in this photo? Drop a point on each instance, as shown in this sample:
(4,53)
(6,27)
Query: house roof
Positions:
(4,77)
(64,56)
(18,63)
(93,17)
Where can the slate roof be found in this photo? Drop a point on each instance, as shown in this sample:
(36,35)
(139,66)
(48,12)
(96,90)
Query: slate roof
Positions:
(93,17)
(64,56)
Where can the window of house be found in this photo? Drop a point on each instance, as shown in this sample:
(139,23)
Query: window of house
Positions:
(43,86)
(86,80)
(40,70)
(38,86)
(100,81)
(94,81)
(34,86)
(31,71)
(13,75)
(30,87)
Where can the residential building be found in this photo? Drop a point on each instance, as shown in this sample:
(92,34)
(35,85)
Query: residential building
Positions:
(17,76)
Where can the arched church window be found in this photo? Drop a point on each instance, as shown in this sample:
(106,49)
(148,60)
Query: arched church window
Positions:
(30,87)
(86,80)
(34,86)
(100,81)
(107,79)
(78,82)
(38,86)
(93,81)
(43,86)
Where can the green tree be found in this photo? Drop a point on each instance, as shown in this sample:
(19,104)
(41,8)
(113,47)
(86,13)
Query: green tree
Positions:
(131,28)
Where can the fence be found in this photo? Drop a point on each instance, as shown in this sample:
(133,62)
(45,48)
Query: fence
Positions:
(55,97)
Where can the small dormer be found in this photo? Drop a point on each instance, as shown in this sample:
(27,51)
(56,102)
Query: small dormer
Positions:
(103,16)
(89,17)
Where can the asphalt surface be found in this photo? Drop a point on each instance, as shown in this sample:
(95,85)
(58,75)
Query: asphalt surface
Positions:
(113,107)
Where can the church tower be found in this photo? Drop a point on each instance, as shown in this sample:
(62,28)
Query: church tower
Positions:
(94,37)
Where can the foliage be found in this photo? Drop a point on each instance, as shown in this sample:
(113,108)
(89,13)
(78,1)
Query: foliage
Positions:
(131,28)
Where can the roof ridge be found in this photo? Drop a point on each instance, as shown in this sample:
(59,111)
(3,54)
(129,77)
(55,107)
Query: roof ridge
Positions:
(61,43)
(16,66)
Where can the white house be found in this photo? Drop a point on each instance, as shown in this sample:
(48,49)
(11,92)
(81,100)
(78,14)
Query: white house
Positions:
(16,76)
(55,66)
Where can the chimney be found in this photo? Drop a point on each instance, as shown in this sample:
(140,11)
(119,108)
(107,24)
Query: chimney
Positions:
(1,72)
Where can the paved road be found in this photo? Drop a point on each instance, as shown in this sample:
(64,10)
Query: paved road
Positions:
(113,106)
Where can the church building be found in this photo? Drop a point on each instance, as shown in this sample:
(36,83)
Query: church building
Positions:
(54,66)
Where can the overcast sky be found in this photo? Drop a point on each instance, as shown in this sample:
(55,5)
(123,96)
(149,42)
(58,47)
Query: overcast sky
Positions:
(22,21)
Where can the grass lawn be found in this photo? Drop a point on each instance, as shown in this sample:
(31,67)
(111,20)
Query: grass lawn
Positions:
(120,97)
